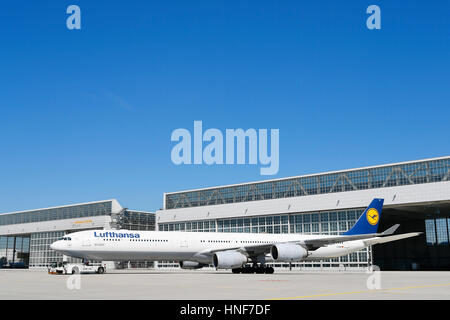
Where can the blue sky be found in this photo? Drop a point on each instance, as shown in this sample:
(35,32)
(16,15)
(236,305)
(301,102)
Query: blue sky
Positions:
(88,114)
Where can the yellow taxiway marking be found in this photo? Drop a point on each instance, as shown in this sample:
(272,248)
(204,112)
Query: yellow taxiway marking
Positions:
(364,291)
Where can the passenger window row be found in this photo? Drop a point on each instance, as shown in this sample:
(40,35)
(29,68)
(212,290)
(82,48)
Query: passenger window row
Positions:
(230,241)
(140,240)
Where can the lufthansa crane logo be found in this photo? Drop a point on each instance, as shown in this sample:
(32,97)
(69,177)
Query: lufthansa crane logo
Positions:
(372,216)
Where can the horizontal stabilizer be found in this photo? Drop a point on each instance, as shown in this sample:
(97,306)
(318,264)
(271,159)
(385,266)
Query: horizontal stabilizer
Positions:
(377,240)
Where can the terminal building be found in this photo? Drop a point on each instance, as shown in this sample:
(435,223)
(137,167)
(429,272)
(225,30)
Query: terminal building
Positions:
(25,236)
(416,195)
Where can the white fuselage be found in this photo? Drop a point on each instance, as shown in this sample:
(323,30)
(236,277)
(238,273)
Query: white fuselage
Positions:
(104,245)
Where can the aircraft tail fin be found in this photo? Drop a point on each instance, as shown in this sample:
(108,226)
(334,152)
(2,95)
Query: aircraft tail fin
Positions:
(370,219)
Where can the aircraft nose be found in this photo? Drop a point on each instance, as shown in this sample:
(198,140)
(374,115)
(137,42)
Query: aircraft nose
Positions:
(55,245)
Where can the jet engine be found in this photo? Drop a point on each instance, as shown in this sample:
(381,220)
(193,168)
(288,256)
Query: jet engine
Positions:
(191,265)
(229,260)
(285,252)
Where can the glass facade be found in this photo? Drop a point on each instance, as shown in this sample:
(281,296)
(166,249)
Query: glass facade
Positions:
(378,177)
(14,251)
(197,226)
(40,253)
(136,220)
(437,231)
(328,223)
(69,212)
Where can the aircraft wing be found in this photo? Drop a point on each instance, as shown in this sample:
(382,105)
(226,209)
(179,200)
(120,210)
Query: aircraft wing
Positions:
(313,244)
(249,250)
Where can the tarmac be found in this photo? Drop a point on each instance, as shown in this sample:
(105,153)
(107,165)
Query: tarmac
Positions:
(223,285)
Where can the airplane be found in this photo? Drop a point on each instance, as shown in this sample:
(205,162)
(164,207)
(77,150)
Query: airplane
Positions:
(194,250)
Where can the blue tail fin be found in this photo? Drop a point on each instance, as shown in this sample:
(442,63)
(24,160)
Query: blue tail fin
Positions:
(369,220)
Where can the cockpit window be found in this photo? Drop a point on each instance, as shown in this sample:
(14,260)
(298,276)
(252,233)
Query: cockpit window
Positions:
(66,239)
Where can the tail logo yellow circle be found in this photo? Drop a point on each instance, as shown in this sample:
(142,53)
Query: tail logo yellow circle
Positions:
(372,216)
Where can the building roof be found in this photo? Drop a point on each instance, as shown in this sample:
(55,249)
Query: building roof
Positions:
(309,175)
(396,174)
(64,206)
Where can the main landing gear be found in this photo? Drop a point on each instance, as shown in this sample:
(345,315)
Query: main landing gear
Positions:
(254,269)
